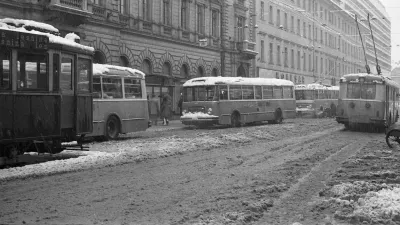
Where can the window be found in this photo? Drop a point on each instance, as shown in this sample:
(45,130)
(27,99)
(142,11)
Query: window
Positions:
(240,28)
(166,12)
(235,92)
(309,31)
(310,63)
(262,51)
(271,53)
(268,92)
(322,65)
(278,60)
(258,92)
(184,14)
(248,92)
(146,7)
(84,73)
(262,10)
(96,87)
(122,6)
(287,92)
(298,60)
(304,62)
(5,75)
(271,14)
(292,24)
(286,21)
(278,94)
(112,87)
(32,71)
(368,91)
(56,72)
(292,58)
(286,57)
(66,74)
(200,19)
(215,23)
(353,90)
(278,17)
(223,92)
(298,26)
(133,88)
(304,30)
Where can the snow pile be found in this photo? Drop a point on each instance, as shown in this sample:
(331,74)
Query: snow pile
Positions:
(72,37)
(196,115)
(104,69)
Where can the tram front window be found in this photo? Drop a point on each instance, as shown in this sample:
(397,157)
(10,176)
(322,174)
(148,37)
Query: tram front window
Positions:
(363,91)
(305,94)
(32,72)
(4,70)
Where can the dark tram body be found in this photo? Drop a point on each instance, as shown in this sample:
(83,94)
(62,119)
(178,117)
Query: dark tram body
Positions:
(45,92)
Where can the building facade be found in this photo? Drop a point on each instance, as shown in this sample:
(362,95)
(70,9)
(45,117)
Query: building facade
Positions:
(171,41)
(308,41)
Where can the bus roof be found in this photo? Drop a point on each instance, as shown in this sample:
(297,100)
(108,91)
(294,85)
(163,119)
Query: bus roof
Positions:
(204,81)
(38,28)
(111,70)
(315,86)
(370,77)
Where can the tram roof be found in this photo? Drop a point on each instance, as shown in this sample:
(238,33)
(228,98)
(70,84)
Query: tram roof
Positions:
(204,81)
(370,77)
(315,86)
(111,70)
(38,28)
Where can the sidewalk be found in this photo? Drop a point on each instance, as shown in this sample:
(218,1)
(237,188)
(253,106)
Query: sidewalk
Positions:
(173,124)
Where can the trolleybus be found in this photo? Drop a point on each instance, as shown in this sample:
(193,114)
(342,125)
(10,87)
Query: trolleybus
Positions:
(120,102)
(40,105)
(314,99)
(367,101)
(235,101)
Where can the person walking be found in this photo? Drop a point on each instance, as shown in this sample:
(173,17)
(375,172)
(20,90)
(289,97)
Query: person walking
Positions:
(166,108)
(180,105)
(154,109)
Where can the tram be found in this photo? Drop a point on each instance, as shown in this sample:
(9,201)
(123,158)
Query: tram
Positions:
(42,105)
(367,101)
(315,99)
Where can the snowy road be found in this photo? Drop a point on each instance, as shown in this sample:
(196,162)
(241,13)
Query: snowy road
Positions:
(307,171)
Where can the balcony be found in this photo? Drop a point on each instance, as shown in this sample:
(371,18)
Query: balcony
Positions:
(247,49)
(124,19)
(71,12)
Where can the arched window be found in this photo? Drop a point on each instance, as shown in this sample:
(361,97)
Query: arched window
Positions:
(99,57)
(241,72)
(166,69)
(214,72)
(200,72)
(184,71)
(123,61)
(146,66)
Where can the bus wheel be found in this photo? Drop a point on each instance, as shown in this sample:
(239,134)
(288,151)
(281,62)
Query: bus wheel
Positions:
(235,120)
(112,128)
(278,116)
(392,138)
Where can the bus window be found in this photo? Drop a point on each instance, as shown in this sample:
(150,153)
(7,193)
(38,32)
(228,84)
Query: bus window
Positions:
(84,66)
(32,71)
(132,88)
(235,92)
(188,94)
(268,92)
(248,92)
(287,92)
(278,94)
(223,92)
(56,72)
(96,87)
(258,92)
(353,90)
(66,74)
(4,70)
(368,91)
(112,87)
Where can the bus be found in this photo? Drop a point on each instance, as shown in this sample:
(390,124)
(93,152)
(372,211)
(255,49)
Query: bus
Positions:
(120,102)
(40,105)
(367,101)
(316,99)
(236,101)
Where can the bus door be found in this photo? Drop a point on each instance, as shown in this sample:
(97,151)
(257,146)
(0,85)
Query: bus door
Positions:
(67,91)
(83,97)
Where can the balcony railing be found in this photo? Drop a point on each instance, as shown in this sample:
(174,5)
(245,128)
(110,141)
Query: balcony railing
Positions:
(78,4)
(99,10)
(124,19)
(147,26)
(247,49)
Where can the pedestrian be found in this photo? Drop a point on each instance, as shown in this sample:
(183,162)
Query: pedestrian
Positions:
(166,108)
(180,105)
(154,109)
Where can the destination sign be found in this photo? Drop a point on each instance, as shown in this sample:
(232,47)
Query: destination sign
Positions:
(16,39)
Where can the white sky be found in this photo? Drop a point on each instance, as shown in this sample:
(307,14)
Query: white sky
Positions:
(393,8)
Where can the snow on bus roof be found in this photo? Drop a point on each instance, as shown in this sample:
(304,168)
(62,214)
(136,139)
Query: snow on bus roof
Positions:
(201,81)
(5,25)
(30,23)
(370,77)
(104,69)
(315,86)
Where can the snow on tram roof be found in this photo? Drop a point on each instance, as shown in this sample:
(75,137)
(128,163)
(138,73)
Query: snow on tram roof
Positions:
(40,29)
(370,77)
(201,81)
(105,69)
(315,86)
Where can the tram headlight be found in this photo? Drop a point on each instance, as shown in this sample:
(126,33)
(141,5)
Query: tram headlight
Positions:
(209,112)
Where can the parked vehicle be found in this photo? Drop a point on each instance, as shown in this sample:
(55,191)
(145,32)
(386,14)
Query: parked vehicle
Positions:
(368,101)
(236,101)
(120,103)
(42,106)
(316,100)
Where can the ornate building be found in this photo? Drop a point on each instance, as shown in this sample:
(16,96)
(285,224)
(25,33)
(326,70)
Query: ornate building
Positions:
(170,40)
(307,41)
